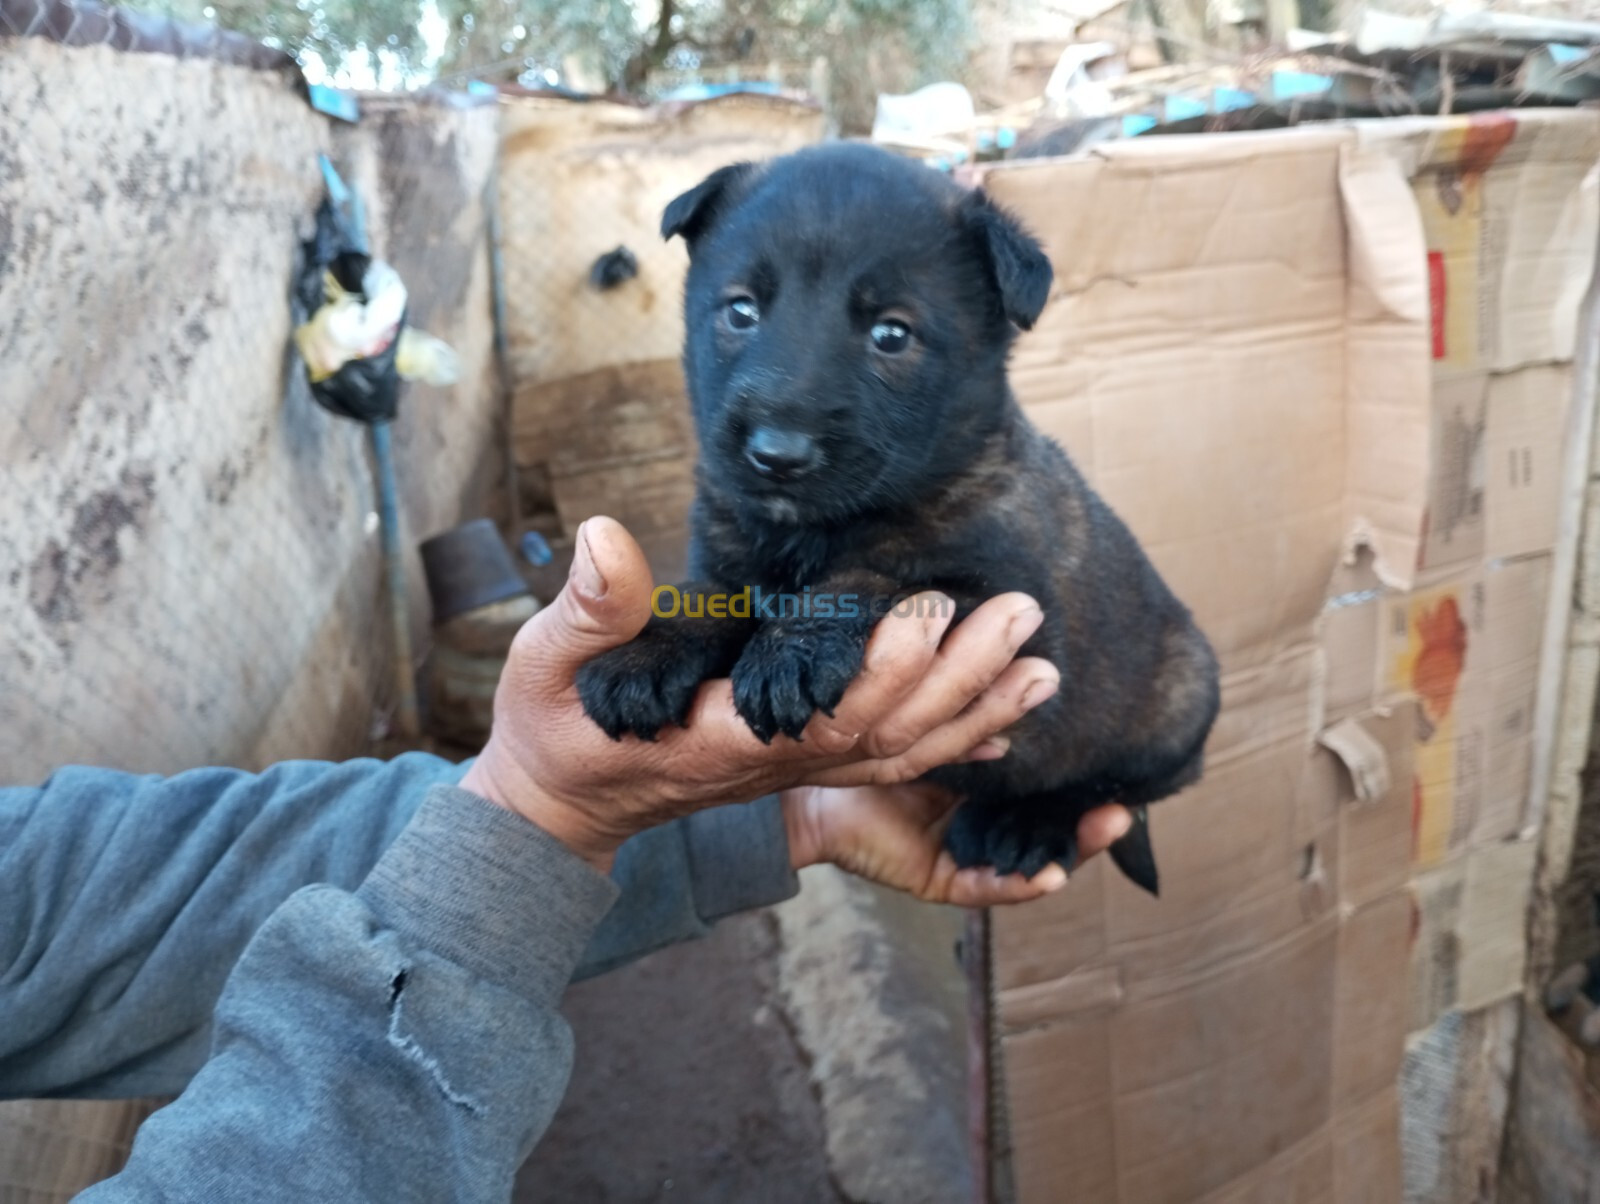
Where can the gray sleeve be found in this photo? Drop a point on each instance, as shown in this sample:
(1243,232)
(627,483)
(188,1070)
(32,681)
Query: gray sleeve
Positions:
(128,900)
(679,879)
(396,1043)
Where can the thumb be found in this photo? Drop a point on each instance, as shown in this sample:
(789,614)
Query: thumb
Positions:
(605,602)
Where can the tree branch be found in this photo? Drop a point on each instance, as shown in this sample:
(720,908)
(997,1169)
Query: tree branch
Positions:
(654,53)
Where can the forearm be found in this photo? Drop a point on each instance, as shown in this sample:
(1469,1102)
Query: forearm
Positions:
(138,894)
(133,896)
(400,1042)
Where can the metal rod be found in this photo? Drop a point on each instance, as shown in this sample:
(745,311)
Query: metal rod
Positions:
(406,716)
(980,1027)
(502,351)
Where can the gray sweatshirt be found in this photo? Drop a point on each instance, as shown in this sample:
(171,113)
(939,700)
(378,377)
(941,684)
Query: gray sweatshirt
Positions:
(351,972)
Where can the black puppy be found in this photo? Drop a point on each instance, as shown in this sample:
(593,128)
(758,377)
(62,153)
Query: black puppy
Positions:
(849,314)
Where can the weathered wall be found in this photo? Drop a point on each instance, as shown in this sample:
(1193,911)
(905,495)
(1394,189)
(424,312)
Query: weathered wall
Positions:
(188,556)
(185,544)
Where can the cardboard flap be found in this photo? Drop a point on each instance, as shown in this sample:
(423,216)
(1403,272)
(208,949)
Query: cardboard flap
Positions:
(1362,755)
(1388,380)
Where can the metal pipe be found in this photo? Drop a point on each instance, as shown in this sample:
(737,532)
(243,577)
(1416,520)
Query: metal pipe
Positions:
(975,960)
(502,351)
(407,719)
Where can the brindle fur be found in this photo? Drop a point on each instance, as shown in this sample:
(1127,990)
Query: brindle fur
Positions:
(931,478)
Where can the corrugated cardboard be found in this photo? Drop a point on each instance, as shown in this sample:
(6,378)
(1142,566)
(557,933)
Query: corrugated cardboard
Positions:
(1216,355)
(1304,367)
(1522,457)
(50,1150)
(1157,351)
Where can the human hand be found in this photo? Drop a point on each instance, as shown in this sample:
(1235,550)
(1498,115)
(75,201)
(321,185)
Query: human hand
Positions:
(916,704)
(893,835)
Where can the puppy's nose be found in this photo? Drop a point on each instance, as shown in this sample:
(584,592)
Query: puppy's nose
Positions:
(782,455)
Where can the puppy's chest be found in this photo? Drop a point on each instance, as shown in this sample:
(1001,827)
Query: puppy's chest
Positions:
(778,560)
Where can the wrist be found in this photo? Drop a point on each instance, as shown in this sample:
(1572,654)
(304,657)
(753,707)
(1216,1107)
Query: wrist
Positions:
(503,782)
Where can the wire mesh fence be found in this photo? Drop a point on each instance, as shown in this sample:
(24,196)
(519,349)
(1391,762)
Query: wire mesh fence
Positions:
(189,553)
(593,295)
(188,544)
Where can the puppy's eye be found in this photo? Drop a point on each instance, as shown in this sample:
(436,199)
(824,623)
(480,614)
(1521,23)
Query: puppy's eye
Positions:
(743,313)
(891,337)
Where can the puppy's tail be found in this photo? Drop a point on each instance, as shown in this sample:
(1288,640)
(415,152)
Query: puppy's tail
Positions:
(1135,856)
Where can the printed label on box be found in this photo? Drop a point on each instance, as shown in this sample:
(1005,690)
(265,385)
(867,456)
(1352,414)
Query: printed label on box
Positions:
(1428,650)
(1436,301)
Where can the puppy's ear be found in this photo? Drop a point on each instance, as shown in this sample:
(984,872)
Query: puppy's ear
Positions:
(691,213)
(1021,269)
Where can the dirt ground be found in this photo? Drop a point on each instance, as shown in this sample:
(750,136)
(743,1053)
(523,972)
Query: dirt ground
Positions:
(688,1085)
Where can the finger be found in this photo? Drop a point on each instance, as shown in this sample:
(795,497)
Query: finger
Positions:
(1101,828)
(991,749)
(605,602)
(973,654)
(897,657)
(984,888)
(1025,683)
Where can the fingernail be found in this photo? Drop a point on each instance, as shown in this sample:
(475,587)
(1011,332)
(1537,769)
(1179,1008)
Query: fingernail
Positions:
(1124,823)
(585,573)
(1050,879)
(938,609)
(1043,688)
(1023,625)
(991,749)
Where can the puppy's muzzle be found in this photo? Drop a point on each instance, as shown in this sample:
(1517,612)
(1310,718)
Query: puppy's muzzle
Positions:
(781,455)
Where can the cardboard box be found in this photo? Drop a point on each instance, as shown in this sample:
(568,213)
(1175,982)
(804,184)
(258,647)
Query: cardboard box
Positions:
(1304,366)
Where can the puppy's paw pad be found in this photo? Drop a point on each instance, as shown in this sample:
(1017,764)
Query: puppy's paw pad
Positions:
(640,687)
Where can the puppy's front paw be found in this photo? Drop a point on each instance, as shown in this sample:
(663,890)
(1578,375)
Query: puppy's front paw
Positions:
(1012,840)
(789,671)
(645,684)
